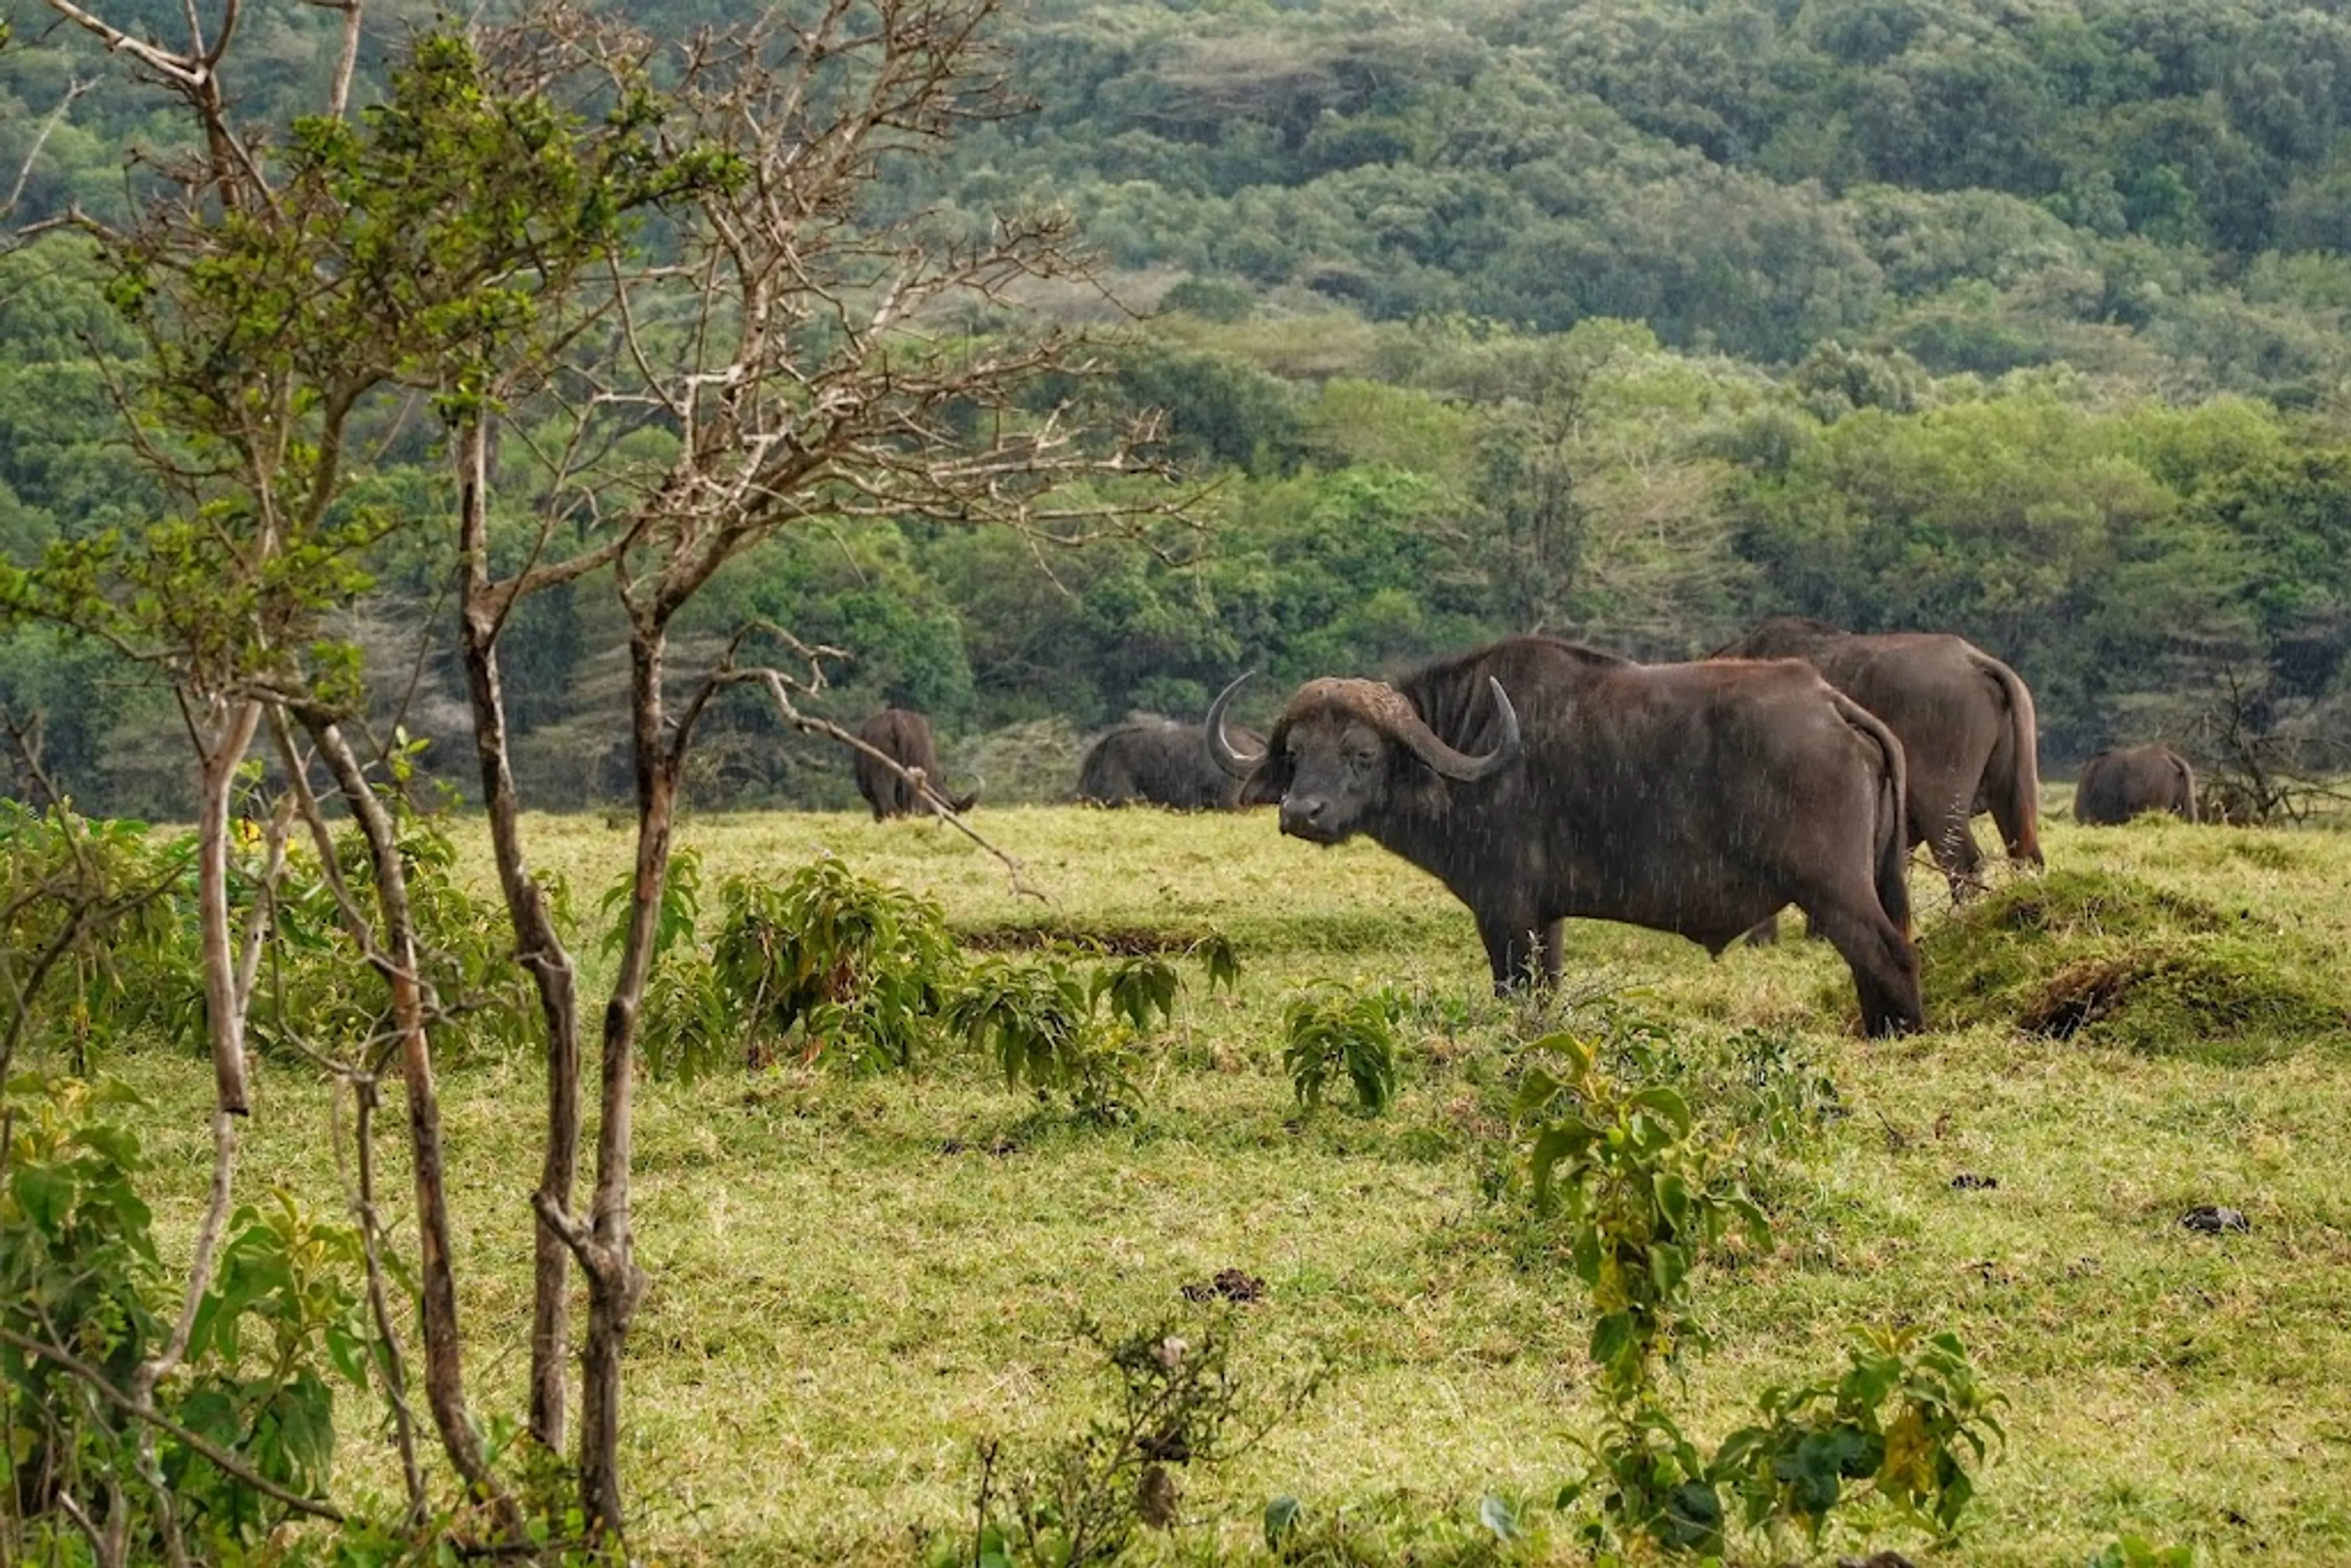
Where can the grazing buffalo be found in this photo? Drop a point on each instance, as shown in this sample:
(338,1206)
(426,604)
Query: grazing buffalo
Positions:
(903,736)
(1965,721)
(2122,783)
(1162,763)
(1539,780)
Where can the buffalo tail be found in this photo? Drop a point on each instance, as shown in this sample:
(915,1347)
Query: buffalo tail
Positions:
(2017,807)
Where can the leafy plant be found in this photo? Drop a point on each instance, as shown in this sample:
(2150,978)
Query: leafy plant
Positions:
(1902,1421)
(1179,1406)
(80,1282)
(859,966)
(692,1024)
(1037,1019)
(317,991)
(1650,1483)
(1342,1032)
(1140,987)
(266,1394)
(681,906)
(1645,1191)
(77,1262)
(1220,958)
(97,929)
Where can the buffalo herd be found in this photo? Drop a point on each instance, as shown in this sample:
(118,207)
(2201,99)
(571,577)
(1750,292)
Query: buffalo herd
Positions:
(1541,781)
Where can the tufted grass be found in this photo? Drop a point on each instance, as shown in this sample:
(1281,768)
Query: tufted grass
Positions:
(856,1282)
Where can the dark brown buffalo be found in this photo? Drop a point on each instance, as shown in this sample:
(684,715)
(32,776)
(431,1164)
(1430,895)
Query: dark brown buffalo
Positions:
(903,736)
(1965,720)
(2126,782)
(1540,780)
(1159,763)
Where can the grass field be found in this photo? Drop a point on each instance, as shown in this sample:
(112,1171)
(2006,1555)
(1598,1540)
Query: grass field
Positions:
(857,1280)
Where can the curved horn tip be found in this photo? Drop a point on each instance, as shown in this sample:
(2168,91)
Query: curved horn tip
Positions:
(1509,714)
(1220,746)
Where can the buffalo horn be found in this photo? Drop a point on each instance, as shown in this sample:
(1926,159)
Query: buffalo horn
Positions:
(1456,766)
(1220,746)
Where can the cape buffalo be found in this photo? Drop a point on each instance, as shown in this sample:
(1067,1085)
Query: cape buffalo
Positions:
(1538,780)
(1163,763)
(1965,721)
(2121,783)
(903,736)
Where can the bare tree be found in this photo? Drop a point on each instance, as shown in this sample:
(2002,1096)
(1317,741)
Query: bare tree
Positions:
(2259,765)
(806,364)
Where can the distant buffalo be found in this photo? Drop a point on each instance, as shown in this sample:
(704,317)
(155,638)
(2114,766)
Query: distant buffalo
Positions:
(2127,781)
(1965,720)
(903,736)
(1161,763)
(1540,780)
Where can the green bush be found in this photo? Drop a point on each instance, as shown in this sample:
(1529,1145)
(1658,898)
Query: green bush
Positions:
(1036,1018)
(283,1324)
(859,968)
(1341,1032)
(97,931)
(1646,1190)
(1902,1422)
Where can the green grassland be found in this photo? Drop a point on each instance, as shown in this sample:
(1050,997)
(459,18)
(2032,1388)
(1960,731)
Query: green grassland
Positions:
(858,1281)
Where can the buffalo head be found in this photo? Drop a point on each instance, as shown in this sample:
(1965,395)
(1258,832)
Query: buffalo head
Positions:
(1339,748)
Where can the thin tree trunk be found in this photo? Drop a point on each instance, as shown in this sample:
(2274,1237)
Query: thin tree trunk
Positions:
(365,1080)
(538,945)
(397,956)
(224,1007)
(615,1283)
(219,755)
(391,1365)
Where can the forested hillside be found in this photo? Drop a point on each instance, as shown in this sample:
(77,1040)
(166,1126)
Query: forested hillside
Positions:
(1631,320)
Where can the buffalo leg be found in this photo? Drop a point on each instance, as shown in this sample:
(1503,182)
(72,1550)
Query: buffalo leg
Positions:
(1512,945)
(1954,847)
(1883,963)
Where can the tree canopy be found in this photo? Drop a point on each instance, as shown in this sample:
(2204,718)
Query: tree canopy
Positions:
(1631,321)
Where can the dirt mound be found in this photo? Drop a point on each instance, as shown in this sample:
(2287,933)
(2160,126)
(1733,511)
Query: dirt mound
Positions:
(2111,960)
(1112,941)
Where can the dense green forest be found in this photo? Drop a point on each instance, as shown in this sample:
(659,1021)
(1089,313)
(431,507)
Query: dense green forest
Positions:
(1627,319)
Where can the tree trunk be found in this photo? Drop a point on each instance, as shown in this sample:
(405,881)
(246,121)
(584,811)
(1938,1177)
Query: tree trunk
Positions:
(224,1007)
(396,955)
(615,1283)
(538,945)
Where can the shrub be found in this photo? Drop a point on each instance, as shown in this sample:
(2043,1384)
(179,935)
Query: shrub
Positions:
(1646,1190)
(1179,1407)
(97,930)
(859,967)
(1036,1018)
(1901,1422)
(1341,1031)
(282,1325)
